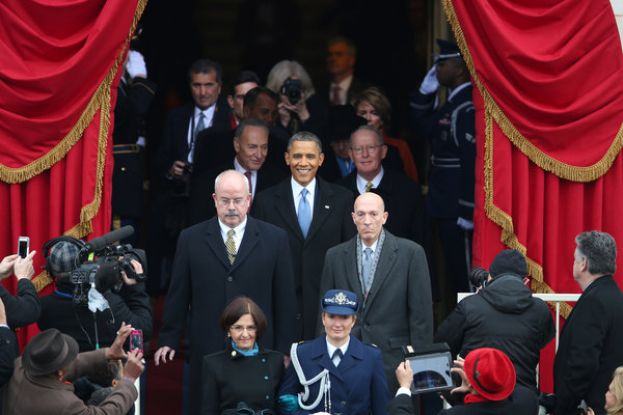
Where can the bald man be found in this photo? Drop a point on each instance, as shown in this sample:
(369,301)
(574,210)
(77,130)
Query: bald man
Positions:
(390,275)
(218,260)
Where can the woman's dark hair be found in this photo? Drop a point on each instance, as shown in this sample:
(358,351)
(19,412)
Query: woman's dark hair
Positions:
(237,308)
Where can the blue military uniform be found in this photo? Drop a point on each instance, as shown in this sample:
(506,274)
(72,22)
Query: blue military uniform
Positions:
(450,130)
(358,383)
(314,383)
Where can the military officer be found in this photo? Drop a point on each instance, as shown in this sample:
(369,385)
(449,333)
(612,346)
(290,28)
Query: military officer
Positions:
(450,129)
(336,373)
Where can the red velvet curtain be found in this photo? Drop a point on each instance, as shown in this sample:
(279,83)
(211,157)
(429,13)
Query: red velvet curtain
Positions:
(549,112)
(58,79)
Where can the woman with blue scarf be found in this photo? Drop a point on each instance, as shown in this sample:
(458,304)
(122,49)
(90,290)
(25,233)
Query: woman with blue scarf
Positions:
(244,378)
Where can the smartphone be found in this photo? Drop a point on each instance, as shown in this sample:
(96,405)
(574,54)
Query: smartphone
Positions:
(23,246)
(136,340)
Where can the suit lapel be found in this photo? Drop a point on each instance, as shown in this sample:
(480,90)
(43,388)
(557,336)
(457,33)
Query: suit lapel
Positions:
(352,356)
(322,207)
(215,241)
(350,268)
(284,203)
(320,355)
(384,267)
(249,240)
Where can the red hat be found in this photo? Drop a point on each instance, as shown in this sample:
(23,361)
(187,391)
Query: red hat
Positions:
(491,373)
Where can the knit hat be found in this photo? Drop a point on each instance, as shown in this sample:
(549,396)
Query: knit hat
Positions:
(62,257)
(491,373)
(509,261)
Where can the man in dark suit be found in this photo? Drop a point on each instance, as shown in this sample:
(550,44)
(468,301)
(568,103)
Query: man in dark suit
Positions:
(341,59)
(391,275)
(315,221)
(250,144)
(174,161)
(590,342)
(217,260)
(401,195)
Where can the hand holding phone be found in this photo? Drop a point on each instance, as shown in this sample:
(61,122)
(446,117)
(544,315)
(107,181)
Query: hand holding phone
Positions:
(23,246)
(136,340)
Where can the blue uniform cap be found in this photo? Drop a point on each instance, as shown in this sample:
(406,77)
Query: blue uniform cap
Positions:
(447,50)
(340,302)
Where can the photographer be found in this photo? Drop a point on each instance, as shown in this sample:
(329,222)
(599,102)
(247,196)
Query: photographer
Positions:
(41,382)
(127,300)
(503,315)
(24,307)
(300,108)
(488,387)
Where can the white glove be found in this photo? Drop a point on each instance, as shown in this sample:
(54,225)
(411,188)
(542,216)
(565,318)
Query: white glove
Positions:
(465,224)
(430,84)
(136,65)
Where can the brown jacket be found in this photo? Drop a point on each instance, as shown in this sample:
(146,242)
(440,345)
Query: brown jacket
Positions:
(30,395)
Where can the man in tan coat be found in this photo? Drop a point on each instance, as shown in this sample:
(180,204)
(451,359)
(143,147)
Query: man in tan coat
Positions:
(41,382)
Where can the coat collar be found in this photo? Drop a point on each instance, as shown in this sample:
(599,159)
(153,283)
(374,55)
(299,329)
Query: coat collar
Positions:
(354,354)
(215,242)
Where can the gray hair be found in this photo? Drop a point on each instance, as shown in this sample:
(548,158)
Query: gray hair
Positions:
(289,69)
(305,136)
(379,137)
(600,250)
(250,122)
(230,172)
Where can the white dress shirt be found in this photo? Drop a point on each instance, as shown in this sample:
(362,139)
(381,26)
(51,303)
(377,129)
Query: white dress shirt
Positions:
(362,183)
(239,232)
(296,194)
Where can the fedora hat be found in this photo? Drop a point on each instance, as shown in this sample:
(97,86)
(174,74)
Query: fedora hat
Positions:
(48,352)
(491,373)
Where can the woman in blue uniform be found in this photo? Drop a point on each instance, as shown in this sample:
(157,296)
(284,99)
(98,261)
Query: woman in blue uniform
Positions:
(244,375)
(336,373)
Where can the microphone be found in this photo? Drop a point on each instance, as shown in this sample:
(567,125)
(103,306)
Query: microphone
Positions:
(103,241)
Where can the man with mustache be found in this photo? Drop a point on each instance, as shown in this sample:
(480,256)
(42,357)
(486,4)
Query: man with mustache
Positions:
(218,260)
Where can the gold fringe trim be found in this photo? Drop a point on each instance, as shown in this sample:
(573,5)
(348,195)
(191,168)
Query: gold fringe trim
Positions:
(21,174)
(89,211)
(505,221)
(547,163)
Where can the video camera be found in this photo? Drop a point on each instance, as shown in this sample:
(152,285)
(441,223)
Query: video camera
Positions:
(100,264)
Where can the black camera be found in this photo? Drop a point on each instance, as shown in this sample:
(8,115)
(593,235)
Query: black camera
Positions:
(478,277)
(103,268)
(293,89)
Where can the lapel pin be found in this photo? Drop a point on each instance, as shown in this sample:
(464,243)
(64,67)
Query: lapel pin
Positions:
(326,206)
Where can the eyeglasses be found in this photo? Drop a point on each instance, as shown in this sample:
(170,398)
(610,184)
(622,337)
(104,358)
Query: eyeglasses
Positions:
(369,149)
(239,201)
(239,329)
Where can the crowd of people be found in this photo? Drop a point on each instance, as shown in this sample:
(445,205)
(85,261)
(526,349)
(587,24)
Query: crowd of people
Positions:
(300,254)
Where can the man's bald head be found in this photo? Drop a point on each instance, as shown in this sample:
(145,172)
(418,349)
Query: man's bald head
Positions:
(369,216)
(231,197)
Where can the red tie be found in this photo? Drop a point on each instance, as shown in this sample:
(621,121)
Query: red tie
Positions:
(335,95)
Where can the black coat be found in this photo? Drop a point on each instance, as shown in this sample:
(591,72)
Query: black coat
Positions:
(590,348)
(130,305)
(403,203)
(174,144)
(521,402)
(331,225)
(23,308)
(8,353)
(204,279)
(503,315)
(229,379)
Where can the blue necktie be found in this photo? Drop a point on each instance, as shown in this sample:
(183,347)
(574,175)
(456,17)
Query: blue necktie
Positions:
(366,264)
(304,213)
